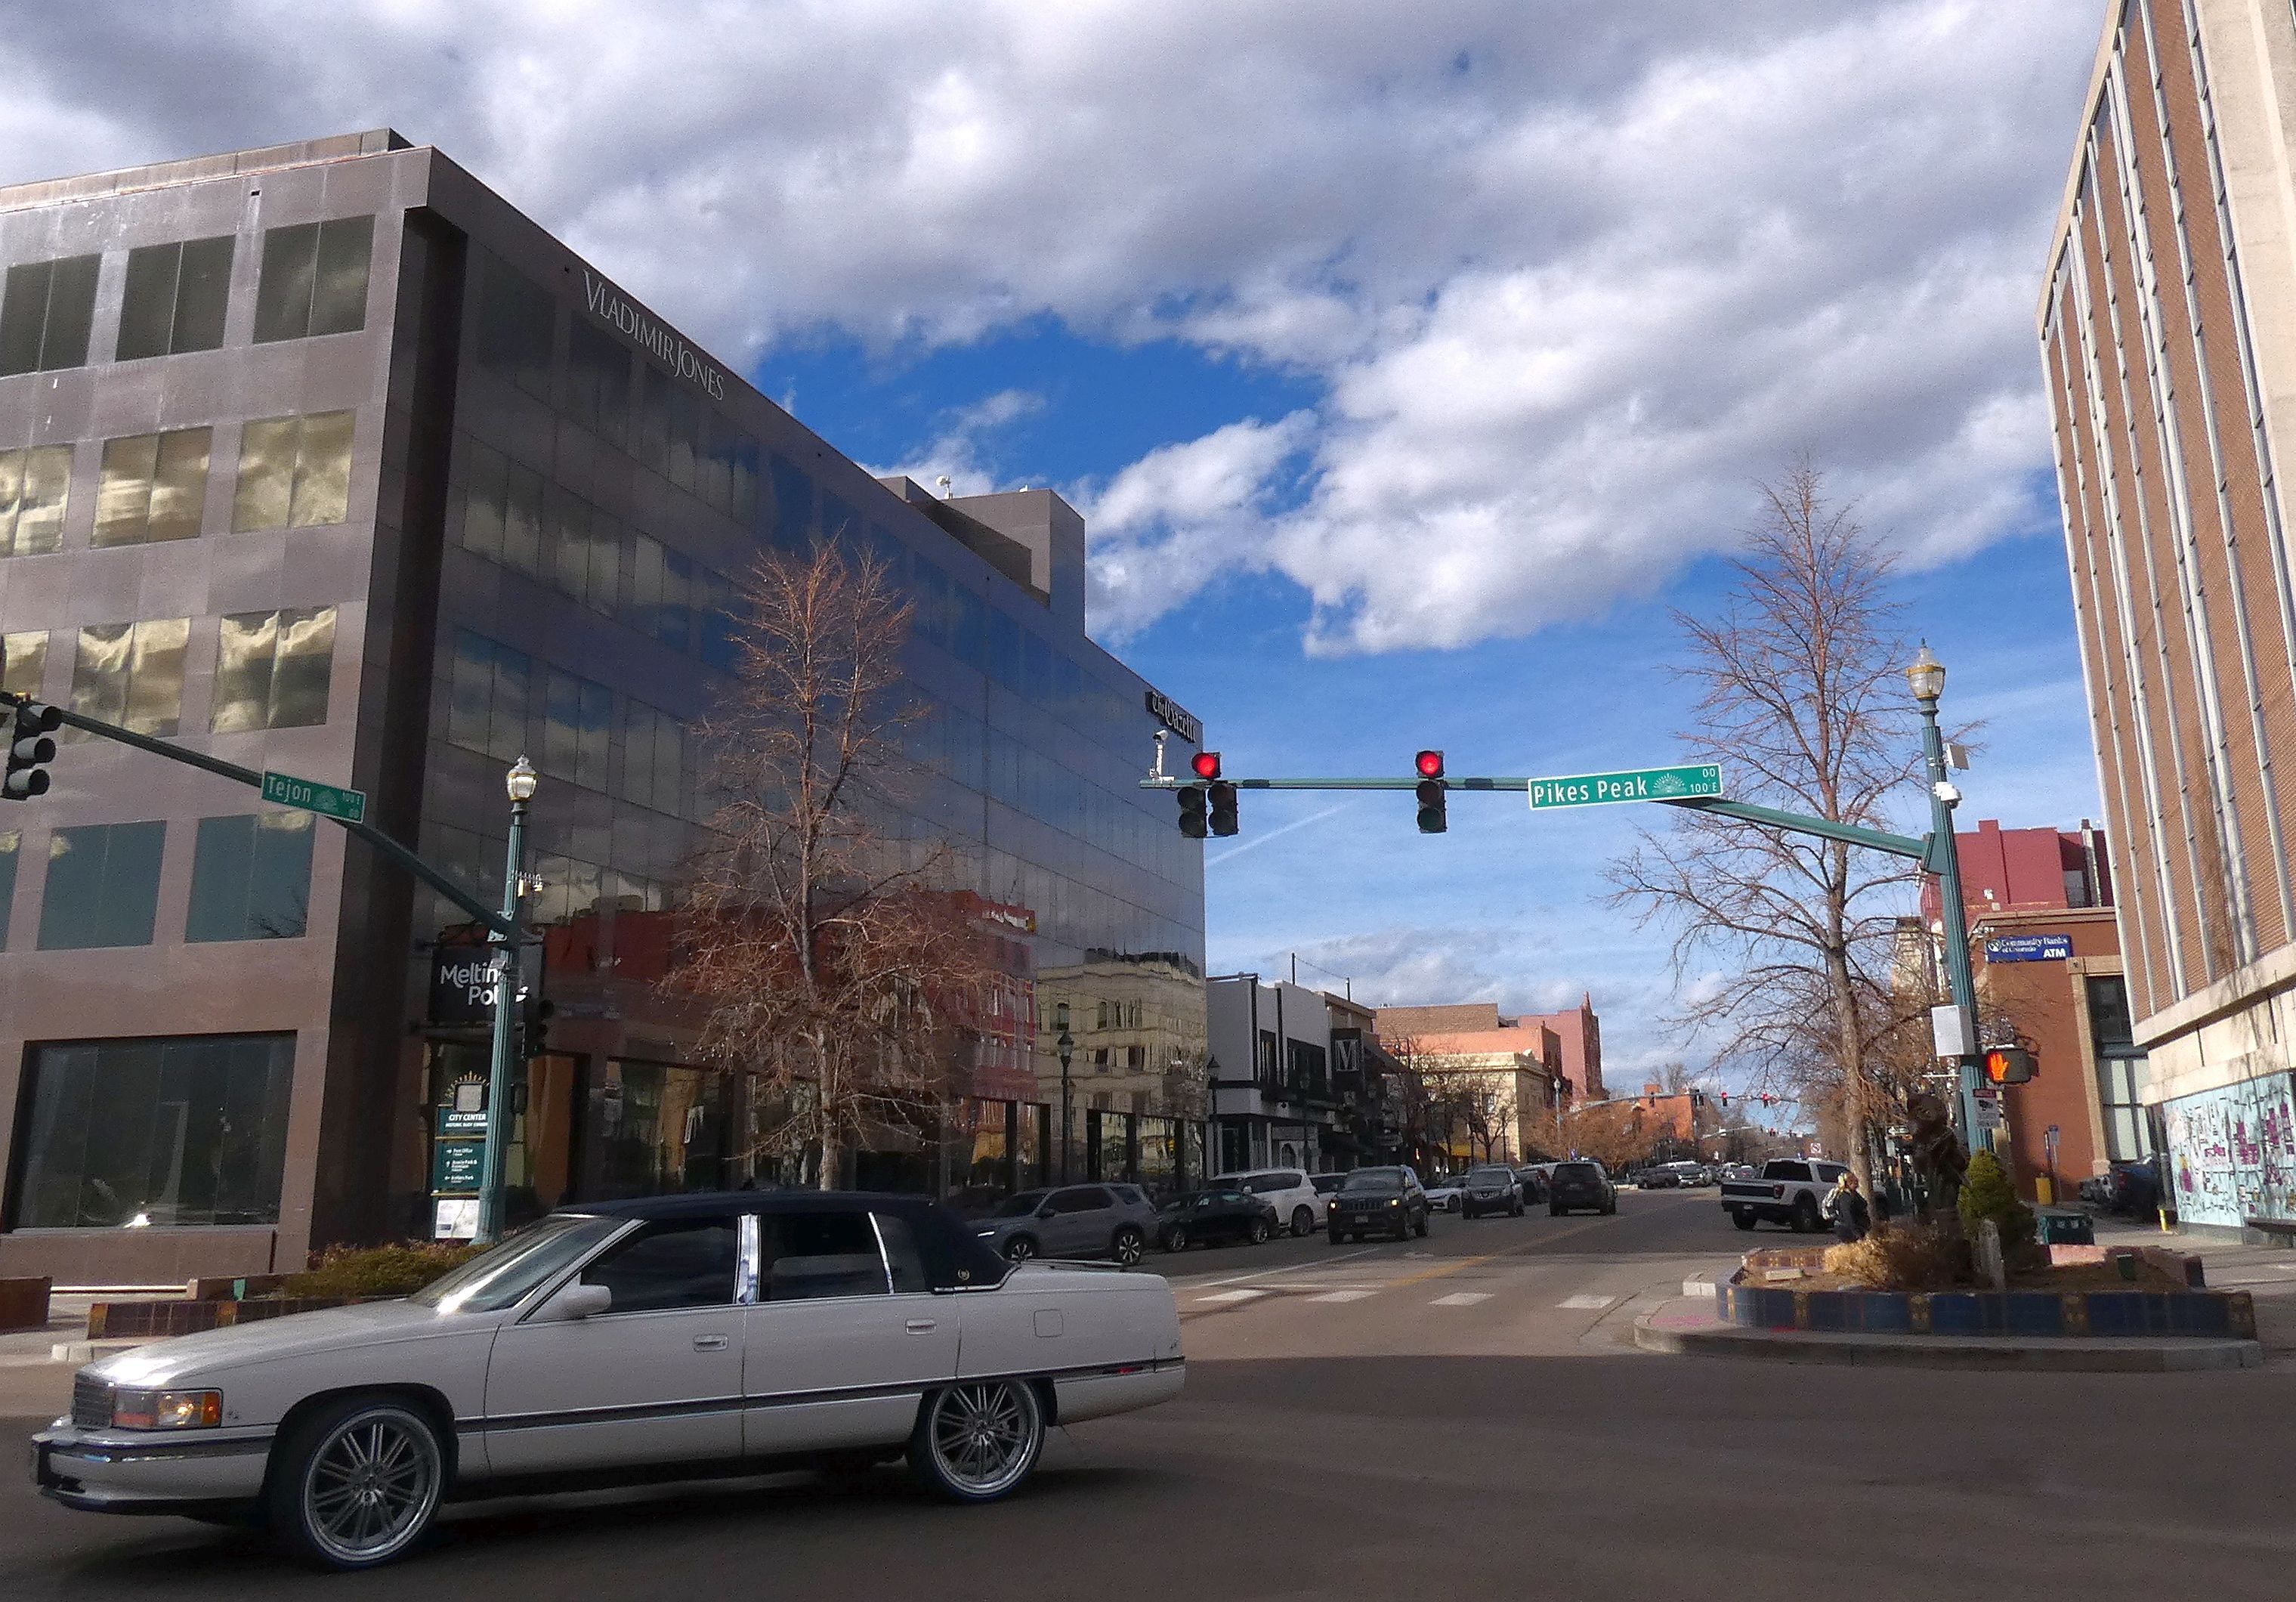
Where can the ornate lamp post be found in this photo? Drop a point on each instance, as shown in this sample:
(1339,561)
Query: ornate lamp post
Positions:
(1926,677)
(1066,1045)
(520,784)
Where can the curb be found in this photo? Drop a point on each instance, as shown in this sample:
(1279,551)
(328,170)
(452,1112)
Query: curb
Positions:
(88,1352)
(2055,1355)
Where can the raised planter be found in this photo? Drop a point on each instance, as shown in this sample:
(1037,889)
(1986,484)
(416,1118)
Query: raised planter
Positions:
(2221,1314)
(24,1303)
(152,1320)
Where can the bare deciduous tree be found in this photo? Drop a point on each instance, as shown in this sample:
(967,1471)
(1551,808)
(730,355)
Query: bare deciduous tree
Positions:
(843,975)
(1801,700)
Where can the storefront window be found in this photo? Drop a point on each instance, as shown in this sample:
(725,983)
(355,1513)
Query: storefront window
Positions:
(1159,1153)
(653,1129)
(131,1134)
(2119,1068)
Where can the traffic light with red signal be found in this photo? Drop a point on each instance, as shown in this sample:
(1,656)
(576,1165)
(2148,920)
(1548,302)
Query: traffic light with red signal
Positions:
(1216,795)
(1433,793)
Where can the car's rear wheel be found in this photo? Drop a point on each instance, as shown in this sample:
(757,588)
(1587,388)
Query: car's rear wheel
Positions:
(1175,1238)
(977,1441)
(1743,1217)
(356,1484)
(1806,1220)
(1420,1228)
(1127,1245)
(1019,1249)
(1257,1234)
(1303,1221)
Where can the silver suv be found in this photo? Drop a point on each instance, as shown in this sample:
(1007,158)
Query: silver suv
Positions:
(1114,1221)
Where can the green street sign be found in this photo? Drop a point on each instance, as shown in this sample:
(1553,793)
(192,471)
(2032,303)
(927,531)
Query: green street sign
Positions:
(326,800)
(1634,785)
(456,1166)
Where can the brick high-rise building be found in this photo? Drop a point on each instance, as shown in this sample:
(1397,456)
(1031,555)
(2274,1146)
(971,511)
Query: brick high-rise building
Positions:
(2168,327)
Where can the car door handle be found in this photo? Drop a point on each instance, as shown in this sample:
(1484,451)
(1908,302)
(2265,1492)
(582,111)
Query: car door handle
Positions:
(920,1326)
(709,1342)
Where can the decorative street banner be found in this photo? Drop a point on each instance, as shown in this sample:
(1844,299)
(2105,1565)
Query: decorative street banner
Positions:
(2030,948)
(2233,1152)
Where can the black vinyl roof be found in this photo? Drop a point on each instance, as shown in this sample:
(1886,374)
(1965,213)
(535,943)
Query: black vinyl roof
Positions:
(731,1204)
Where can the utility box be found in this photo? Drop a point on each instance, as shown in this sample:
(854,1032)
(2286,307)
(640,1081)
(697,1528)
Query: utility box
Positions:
(2055,1227)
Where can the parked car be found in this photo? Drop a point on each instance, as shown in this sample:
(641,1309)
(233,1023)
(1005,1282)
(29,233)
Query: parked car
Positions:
(676,1336)
(1204,1217)
(1532,1182)
(1325,1184)
(1491,1190)
(1657,1177)
(1072,1221)
(1580,1183)
(1379,1200)
(1443,1194)
(1791,1191)
(1299,1205)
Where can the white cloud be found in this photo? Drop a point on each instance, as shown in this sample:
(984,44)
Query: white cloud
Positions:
(962,451)
(1571,273)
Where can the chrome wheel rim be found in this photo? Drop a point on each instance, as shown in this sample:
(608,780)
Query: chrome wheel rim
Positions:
(1176,1241)
(1018,1250)
(371,1486)
(1128,1249)
(984,1436)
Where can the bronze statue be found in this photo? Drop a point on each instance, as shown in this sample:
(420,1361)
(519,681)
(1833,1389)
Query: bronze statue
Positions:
(1938,1158)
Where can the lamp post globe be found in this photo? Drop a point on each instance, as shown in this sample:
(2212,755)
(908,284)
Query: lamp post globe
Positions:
(520,780)
(1926,675)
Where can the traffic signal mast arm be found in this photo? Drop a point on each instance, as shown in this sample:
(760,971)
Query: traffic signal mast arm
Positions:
(382,842)
(1896,846)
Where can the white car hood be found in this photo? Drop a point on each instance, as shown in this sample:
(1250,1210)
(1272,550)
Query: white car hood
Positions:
(240,1345)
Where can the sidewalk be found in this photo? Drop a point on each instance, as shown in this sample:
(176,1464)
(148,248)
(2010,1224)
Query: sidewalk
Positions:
(32,1381)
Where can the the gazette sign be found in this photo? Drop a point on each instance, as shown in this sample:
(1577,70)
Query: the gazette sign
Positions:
(664,345)
(1173,716)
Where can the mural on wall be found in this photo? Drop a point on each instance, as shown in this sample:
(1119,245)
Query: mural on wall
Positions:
(2233,1152)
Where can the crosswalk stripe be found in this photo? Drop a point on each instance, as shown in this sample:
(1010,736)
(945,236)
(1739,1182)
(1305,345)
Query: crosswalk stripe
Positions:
(1586,1304)
(1230,1296)
(1342,1296)
(1461,1299)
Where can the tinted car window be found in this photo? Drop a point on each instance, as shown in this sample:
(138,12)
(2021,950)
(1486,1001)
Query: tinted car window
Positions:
(1127,1196)
(1083,1198)
(811,1256)
(666,1265)
(955,1257)
(1830,1172)
(1576,1171)
(1785,1171)
(903,1255)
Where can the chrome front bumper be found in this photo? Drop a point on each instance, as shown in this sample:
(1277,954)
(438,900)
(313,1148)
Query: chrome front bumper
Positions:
(126,1471)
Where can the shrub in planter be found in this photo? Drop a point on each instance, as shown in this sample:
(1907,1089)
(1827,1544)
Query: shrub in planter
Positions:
(394,1270)
(1902,1257)
(1986,1194)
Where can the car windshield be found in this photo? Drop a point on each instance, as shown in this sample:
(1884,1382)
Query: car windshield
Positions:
(494,1280)
(1493,1176)
(1374,1178)
(1021,1205)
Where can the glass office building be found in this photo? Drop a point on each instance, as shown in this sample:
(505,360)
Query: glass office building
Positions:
(326,460)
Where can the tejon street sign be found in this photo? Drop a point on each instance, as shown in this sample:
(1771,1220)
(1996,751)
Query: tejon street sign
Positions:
(1636,784)
(325,800)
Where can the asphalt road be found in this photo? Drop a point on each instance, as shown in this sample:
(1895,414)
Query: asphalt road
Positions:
(1452,1415)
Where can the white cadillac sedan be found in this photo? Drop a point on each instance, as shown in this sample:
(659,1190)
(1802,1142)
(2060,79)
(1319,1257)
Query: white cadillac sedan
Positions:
(670,1338)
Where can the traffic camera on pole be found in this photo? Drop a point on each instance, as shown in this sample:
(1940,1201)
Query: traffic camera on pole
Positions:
(1433,793)
(29,725)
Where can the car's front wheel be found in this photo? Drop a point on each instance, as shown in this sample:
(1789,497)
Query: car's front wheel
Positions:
(1127,1245)
(356,1484)
(977,1441)
(1019,1249)
(1303,1223)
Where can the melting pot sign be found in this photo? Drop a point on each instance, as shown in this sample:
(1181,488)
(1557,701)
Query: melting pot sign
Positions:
(463,980)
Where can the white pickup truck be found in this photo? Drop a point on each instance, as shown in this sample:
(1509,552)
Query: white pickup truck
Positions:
(1791,1192)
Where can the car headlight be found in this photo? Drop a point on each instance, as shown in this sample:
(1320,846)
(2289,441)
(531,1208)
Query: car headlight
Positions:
(1395,1201)
(167,1410)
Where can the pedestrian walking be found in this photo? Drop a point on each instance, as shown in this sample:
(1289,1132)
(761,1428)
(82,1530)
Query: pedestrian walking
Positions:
(1846,1206)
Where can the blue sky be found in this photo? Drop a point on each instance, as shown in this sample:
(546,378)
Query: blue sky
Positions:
(1407,361)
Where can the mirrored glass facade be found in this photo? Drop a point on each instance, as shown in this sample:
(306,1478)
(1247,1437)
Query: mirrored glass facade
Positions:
(387,488)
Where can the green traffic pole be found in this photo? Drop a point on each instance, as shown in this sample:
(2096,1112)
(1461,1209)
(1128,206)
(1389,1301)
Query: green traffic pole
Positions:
(491,1173)
(1959,975)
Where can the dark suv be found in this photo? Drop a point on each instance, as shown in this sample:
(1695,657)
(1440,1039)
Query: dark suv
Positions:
(1581,1185)
(1379,1200)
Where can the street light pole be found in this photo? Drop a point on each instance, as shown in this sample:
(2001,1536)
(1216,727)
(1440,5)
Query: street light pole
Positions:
(1927,678)
(520,783)
(1066,1045)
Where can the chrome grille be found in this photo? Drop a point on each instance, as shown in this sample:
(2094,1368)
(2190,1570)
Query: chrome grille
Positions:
(91,1403)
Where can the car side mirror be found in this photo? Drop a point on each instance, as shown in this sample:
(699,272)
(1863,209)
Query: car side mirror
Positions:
(1045,1211)
(578,1301)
